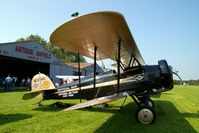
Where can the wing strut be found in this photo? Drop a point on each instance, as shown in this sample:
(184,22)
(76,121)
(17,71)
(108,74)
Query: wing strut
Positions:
(79,74)
(134,59)
(94,75)
(118,65)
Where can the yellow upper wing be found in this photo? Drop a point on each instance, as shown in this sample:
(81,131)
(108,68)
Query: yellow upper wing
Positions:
(100,29)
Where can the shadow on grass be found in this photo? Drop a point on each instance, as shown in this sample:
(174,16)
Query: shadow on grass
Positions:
(99,109)
(57,106)
(4,119)
(169,119)
(53,108)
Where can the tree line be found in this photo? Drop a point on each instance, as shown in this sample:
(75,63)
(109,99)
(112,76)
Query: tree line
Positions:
(187,82)
(65,56)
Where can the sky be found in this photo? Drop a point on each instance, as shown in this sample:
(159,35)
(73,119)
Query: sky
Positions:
(162,29)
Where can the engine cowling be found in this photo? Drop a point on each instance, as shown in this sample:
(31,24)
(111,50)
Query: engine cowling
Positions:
(166,74)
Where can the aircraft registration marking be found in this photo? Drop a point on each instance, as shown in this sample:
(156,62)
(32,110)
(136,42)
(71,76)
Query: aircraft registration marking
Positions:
(39,79)
(68,94)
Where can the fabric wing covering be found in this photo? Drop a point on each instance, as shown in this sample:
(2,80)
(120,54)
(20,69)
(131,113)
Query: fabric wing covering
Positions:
(100,29)
(96,101)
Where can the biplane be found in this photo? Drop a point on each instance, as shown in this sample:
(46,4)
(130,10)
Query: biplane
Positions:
(104,35)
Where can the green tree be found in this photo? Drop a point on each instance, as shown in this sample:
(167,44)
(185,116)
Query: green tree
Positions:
(65,56)
(34,38)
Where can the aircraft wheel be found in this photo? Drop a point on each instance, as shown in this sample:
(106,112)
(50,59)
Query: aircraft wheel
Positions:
(145,115)
(40,104)
(147,103)
(104,105)
(150,103)
(89,107)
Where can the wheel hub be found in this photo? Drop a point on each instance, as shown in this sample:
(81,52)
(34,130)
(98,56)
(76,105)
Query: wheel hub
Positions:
(145,116)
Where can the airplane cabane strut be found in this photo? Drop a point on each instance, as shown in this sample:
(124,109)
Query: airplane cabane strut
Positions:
(133,65)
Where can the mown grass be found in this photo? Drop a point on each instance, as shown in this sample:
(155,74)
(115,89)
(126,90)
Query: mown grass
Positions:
(177,111)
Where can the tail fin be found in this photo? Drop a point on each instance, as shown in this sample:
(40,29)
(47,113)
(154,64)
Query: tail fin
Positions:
(40,83)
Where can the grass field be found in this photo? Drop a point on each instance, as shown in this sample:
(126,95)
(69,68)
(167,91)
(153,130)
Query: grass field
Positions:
(177,112)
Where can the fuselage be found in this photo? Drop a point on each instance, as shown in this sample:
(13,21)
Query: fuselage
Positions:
(149,79)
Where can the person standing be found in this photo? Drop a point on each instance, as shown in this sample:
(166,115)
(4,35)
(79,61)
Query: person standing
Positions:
(28,83)
(8,83)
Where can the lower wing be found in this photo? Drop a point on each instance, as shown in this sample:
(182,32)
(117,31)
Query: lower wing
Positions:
(100,100)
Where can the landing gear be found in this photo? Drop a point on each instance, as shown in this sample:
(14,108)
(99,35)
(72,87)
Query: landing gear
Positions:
(40,104)
(147,102)
(145,115)
(104,105)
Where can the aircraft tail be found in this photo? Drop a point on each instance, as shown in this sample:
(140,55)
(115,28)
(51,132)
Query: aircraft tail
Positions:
(40,82)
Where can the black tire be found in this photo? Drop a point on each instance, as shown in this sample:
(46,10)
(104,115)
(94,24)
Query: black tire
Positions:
(40,104)
(150,103)
(104,105)
(147,103)
(145,115)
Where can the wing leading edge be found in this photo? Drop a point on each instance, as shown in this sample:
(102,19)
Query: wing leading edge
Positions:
(102,30)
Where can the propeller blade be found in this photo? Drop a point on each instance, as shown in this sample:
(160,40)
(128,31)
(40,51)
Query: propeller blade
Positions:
(100,100)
